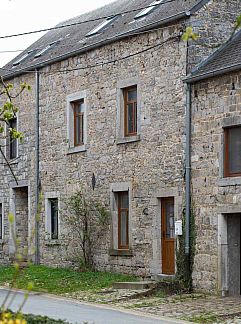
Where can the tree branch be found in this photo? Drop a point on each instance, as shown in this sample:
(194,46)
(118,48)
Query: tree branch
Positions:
(9,165)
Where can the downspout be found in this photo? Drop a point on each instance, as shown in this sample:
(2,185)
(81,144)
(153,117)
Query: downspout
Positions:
(188,168)
(37,178)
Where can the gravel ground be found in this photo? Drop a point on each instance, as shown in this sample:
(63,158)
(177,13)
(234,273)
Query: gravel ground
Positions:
(198,308)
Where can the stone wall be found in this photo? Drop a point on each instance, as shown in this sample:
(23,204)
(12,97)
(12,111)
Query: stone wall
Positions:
(153,164)
(155,161)
(23,166)
(214,24)
(215,105)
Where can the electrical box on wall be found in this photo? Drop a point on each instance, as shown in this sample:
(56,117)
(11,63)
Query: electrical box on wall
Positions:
(178,228)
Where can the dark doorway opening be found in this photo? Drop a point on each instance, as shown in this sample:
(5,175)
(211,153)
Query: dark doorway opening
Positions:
(234,264)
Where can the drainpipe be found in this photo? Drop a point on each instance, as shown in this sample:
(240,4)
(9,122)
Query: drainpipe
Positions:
(188,167)
(37,179)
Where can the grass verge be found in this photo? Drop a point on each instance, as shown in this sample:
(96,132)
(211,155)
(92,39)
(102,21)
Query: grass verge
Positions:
(204,318)
(60,281)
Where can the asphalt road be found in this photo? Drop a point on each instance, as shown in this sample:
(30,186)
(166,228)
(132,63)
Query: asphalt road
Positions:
(76,312)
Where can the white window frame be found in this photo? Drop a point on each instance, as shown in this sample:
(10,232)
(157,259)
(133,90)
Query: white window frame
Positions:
(48,197)
(81,95)
(120,124)
(22,58)
(152,6)
(45,49)
(101,26)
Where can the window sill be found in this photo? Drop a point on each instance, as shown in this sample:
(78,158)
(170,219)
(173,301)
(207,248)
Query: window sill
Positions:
(77,149)
(13,161)
(130,139)
(127,253)
(52,242)
(229,181)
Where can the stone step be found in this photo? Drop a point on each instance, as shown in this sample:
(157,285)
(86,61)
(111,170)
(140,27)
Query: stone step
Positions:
(163,277)
(137,285)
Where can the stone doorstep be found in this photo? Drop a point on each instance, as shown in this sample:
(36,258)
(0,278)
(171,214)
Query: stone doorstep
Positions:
(138,285)
(161,277)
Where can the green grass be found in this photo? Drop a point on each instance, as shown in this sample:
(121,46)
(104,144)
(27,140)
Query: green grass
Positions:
(60,281)
(204,318)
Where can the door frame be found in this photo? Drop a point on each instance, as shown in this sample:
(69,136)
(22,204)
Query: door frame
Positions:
(165,240)
(12,209)
(223,286)
(155,208)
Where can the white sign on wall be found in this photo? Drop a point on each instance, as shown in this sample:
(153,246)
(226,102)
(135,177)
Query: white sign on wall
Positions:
(178,228)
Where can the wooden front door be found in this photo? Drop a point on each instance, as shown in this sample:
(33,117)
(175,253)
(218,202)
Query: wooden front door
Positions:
(168,235)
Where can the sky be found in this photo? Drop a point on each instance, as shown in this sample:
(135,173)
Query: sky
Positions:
(19,16)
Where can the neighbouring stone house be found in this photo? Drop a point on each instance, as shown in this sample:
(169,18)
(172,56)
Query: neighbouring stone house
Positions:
(107,113)
(216,168)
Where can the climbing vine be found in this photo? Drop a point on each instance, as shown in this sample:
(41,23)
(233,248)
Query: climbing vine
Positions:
(185,262)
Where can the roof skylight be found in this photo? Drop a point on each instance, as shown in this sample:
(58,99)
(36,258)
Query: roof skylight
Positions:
(101,26)
(44,50)
(147,10)
(22,58)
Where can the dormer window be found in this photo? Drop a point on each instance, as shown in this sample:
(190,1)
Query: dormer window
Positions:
(100,27)
(22,58)
(147,10)
(45,49)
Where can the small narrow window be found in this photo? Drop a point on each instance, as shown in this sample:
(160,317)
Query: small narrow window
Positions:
(123,220)
(130,111)
(100,27)
(78,108)
(54,218)
(232,151)
(1,221)
(12,141)
(147,10)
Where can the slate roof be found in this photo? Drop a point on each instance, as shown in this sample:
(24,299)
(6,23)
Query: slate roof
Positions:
(72,39)
(226,59)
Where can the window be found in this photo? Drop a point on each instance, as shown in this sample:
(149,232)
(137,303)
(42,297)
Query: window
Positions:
(77,122)
(22,58)
(78,109)
(45,49)
(54,218)
(232,151)
(12,141)
(123,220)
(100,27)
(1,221)
(130,111)
(147,10)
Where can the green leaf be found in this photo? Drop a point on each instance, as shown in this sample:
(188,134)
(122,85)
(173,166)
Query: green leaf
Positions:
(189,35)
(238,21)
(11,218)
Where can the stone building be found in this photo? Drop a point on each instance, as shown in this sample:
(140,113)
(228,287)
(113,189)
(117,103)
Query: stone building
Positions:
(107,113)
(216,168)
